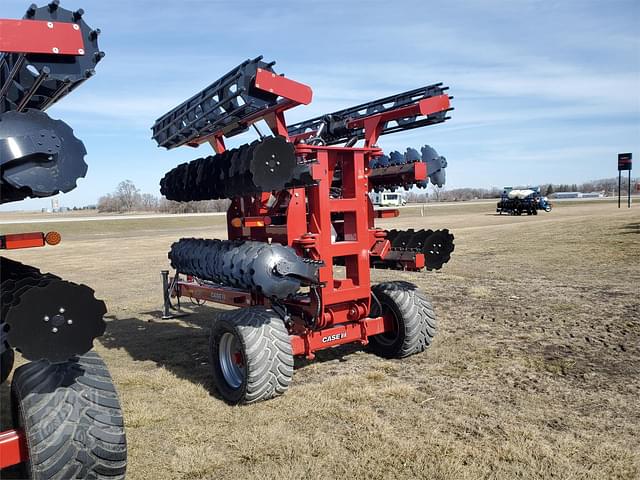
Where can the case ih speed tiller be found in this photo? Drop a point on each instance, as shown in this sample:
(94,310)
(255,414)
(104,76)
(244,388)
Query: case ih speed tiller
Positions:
(67,417)
(300,207)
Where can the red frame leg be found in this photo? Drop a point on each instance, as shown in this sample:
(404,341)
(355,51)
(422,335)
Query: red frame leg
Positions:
(13,448)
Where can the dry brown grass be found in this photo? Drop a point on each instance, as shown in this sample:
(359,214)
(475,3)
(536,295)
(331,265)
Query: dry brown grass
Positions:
(535,372)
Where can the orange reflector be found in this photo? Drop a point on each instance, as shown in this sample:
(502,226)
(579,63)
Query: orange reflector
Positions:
(15,241)
(250,222)
(52,238)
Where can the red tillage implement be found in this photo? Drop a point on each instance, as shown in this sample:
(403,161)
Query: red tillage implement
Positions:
(66,420)
(301,233)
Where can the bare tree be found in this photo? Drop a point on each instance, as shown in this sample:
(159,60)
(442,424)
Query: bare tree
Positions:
(149,202)
(436,192)
(107,203)
(128,195)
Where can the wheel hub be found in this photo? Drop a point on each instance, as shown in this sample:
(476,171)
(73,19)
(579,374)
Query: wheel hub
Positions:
(231,360)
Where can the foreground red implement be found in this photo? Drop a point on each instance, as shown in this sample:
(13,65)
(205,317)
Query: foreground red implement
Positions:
(65,409)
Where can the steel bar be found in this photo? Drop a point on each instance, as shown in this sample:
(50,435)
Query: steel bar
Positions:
(44,73)
(62,90)
(166,305)
(341,126)
(17,66)
(629,191)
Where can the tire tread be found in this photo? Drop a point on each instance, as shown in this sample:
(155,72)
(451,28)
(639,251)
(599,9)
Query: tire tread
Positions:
(417,318)
(267,349)
(72,419)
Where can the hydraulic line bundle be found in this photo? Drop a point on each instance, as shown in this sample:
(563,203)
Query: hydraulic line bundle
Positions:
(301,234)
(50,321)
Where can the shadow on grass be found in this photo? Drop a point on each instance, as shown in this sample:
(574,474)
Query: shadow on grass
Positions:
(181,345)
(340,353)
(630,228)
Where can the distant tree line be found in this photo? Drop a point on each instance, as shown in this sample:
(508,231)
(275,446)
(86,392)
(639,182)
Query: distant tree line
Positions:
(127,198)
(607,185)
(435,194)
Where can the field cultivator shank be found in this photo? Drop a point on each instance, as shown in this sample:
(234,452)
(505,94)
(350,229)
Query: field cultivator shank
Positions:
(50,321)
(301,233)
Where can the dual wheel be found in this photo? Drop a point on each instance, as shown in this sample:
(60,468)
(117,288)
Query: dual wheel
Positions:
(251,354)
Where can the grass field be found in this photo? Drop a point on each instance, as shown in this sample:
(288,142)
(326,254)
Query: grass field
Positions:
(535,372)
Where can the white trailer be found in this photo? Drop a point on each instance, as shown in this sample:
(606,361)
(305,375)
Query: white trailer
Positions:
(388,199)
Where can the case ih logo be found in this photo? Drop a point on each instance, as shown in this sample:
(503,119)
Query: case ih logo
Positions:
(624,161)
(333,338)
(215,296)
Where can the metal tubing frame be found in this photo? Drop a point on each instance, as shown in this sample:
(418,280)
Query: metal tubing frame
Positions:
(342,299)
(337,313)
(343,303)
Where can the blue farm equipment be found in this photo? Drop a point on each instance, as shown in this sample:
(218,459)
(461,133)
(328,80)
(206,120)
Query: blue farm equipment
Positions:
(525,200)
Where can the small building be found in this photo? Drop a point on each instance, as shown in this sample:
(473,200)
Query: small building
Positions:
(593,195)
(567,195)
(560,195)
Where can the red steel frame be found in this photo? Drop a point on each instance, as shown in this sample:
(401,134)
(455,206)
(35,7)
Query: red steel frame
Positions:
(37,36)
(13,448)
(32,37)
(303,218)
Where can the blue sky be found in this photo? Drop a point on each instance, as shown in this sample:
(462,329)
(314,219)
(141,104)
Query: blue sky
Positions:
(544,90)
